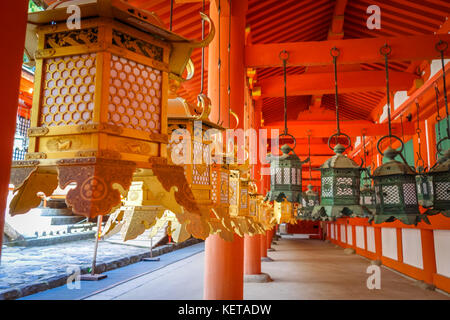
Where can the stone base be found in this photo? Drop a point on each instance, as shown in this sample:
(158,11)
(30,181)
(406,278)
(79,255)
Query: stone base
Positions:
(271,249)
(375,262)
(266,259)
(257,278)
(349,251)
(424,285)
(328,241)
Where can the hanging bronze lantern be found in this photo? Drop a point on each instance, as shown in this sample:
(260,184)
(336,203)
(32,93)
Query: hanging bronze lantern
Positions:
(438,178)
(285,170)
(394,181)
(367,196)
(367,193)
(285,176)
(340,196)
(309,201)
(310,197)
(340,175)
(395,190)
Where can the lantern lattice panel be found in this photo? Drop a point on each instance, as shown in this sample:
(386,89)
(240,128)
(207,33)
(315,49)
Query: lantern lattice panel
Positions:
(68,90)
(200,171)
(244,198)
(409,193)
(443,191)
(134,95)
(233,192)
(286,176)
(344,187)
(377,194)
(391,195)
(224,187)
(327,186)
(215,189)
(425,187)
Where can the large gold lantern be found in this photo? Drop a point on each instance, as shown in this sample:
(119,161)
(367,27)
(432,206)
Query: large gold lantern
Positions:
(100,105)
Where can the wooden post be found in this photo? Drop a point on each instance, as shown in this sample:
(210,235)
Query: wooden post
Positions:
(12,32)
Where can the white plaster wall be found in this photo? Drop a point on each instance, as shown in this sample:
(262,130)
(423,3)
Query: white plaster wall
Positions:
(436,66)
(442,250)
(349,235)
(343,238)
(389,243)
(399,98)
(371,239)
(336,232)
(332,231)
(412,247)
(359,230)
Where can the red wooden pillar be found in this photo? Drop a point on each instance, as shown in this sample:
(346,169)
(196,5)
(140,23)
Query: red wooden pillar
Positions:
(224,261)
(13,24)
(252,254)
(378,245)
(263,245)
(224,274)
(428,254)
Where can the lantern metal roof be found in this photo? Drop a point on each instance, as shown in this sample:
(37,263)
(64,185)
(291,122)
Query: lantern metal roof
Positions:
(393,167)
(339,160)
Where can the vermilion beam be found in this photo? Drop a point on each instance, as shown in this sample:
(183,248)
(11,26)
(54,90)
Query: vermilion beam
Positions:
(327,128)
(352,51)
(323,83)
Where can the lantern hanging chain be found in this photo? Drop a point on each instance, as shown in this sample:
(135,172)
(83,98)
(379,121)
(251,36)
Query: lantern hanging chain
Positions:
(309,157)
(386,52)
(219,62)
(336,50)
(171,15)
(229,66)
(438,117)
(444,46)
(285,97)
(203,52)
(418,131)
(403,133)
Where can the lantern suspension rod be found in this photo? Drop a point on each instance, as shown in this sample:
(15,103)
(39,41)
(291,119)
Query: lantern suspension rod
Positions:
(441,46)
(229,67)
(335,53)
(203,52)
(171,15)
(385,51)
(438,117)
(419,131)
(284,55)
(219,62)
(309,157)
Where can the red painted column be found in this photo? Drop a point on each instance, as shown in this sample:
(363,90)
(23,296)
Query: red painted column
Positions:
(428,254)
(224,261)
(263,246)
(224,274)
(378,243)
(252,254)
(12,33)
(269,235)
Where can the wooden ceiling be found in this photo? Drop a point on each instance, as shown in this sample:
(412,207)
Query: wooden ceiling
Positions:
(275,21)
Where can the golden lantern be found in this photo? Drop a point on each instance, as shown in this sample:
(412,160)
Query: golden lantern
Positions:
(285,211)
(255,200)
(100,108)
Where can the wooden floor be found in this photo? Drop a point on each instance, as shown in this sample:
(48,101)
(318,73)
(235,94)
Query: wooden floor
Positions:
(302,269)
